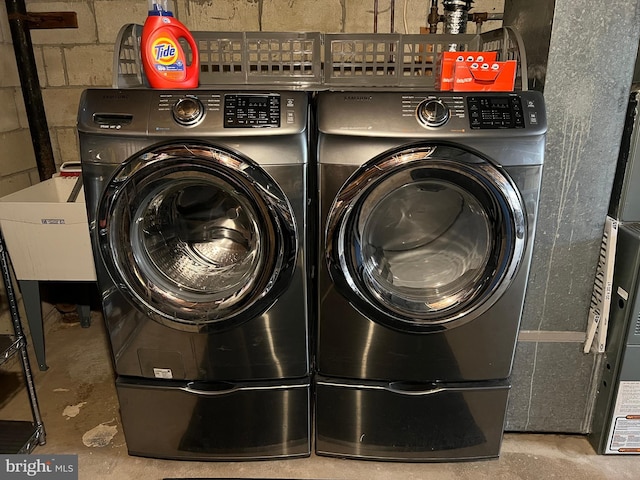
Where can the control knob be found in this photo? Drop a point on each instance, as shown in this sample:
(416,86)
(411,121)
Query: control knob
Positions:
(433,113)
(188,111)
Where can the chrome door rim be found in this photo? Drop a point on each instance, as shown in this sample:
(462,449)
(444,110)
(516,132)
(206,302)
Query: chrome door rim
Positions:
(178,308)
(345,209)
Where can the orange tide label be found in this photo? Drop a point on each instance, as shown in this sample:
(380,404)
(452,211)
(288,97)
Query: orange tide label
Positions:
(164,51)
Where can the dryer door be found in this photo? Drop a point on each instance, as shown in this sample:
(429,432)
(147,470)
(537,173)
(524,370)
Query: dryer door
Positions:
(425,238)
(196,236)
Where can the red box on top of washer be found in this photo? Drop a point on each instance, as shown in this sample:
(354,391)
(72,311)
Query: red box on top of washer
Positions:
(448,62)
(487,76)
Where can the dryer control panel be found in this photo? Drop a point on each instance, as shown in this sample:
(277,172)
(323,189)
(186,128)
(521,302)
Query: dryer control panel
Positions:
(431,114)
(483,112)
(495,112)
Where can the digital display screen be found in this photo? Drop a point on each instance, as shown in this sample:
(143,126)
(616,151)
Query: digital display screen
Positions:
(499,102)
(257,100)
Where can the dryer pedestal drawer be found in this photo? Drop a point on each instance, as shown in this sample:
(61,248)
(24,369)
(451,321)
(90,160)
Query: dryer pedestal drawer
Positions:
(409,422)
(249,421)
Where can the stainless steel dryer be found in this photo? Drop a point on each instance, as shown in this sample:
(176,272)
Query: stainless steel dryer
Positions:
(428,205)
(197,211)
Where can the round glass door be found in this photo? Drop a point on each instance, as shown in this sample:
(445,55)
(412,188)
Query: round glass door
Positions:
(425,238)
(198,237)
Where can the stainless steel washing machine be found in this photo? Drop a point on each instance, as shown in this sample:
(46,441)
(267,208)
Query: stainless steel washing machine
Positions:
(198,215)
(428,204)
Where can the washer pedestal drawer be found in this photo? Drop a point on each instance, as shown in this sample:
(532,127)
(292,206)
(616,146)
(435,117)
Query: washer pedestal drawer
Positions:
(215,421)
(410,422)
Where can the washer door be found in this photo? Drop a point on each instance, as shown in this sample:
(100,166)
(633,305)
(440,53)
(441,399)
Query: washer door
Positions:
(425,238)
(196,236)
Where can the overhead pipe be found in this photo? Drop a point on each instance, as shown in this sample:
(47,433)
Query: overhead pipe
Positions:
(25,59)
(481,17)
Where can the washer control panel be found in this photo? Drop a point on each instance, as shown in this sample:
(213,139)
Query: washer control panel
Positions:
(251,110)
(433,113)
(198,113)
(504,111)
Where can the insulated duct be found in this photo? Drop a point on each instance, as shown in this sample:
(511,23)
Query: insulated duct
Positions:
(456,15)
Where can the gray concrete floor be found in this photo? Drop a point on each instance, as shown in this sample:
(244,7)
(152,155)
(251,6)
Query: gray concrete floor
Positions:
(80,411)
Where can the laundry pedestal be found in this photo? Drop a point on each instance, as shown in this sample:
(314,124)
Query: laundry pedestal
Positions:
(47,236)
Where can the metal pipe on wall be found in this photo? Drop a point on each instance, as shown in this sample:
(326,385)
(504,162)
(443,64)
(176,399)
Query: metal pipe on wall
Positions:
(433,18)
(23,48)
(393,16)
(375,16)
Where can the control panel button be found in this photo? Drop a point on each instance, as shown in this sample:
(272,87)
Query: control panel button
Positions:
(433,113)
(188,111)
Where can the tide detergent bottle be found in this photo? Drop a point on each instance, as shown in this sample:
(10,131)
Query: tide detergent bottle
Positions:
(163,58)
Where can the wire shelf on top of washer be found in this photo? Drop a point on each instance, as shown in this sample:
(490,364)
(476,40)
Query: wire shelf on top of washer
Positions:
(390,60)
(232,58)
(311,60)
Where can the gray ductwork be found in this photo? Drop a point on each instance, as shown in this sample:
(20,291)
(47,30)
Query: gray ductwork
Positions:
(456,15)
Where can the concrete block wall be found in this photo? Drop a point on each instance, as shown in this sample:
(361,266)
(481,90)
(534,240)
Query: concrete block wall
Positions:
(70,60)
